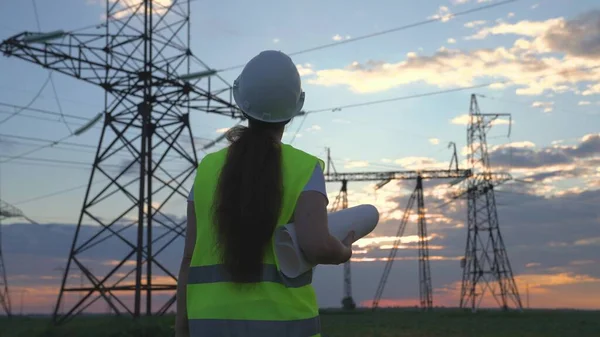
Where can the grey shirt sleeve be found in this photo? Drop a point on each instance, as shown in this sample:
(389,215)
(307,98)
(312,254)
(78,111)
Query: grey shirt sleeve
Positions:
(315,183)
(191,196)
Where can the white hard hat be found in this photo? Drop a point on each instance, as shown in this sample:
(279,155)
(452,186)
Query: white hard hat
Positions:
(269,88)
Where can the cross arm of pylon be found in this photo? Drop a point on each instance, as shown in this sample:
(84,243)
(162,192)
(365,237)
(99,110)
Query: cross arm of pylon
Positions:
(481,182)
(87,57)
(82,56)
(397,175)
(9,211)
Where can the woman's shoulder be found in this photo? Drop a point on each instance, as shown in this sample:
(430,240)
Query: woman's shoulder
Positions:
(291,151)
(213,157)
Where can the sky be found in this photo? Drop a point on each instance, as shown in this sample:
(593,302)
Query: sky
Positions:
(539,57)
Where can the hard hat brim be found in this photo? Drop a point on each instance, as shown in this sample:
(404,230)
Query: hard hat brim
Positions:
(261,116)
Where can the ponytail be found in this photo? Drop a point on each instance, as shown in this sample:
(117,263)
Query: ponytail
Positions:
(248,201)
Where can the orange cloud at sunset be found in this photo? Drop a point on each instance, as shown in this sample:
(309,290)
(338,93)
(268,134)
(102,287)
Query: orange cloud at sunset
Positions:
(405,258)
(546,291)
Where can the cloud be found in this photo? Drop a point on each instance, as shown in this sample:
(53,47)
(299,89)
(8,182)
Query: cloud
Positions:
(459,2)
(338,37)
(546,106)
(314,128)
(451,41)
(554,170)
(579,37)
(473,24)
(532,264)
(582,262)
(355,164)
(546,57)
(276,40)
(443,14)
(305,69)
(522,28)
(584,103)
(510,15)
(129,7)
(595,241)
(592,90)
(464,119)
(454,68)
(434,141)
(416,163)
(576,37)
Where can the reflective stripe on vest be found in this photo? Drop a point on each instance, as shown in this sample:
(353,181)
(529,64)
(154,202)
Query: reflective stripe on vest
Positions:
(274,305)
(245,328)
(216,273)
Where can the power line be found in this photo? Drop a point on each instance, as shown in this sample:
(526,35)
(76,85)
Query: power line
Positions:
(39,118)
(400,98)
(21,108)
(61,147)
(36,149)
(392,30)
(43,111)
(44,196)
(18,162)
(298,129)
(35,139)
(59,161)
(525,104)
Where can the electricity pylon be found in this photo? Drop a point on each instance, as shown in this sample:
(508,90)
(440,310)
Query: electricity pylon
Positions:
(485,264)
(342,198)
(425,289)
(7,211)
(142,60)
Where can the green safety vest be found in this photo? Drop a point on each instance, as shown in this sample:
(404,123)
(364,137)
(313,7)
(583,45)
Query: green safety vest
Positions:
(278,306)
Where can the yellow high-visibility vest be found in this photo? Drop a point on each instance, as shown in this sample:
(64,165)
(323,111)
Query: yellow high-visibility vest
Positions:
(276,306)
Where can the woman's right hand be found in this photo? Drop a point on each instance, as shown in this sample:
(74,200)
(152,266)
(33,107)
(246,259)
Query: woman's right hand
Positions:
(312,232)
(347,242)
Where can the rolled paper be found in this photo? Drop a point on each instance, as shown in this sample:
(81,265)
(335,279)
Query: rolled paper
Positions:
(361,219)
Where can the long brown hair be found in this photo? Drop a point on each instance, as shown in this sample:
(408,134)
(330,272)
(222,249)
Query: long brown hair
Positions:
(248,202)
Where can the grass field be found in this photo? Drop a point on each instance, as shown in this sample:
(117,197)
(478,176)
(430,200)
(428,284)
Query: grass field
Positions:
(396,322)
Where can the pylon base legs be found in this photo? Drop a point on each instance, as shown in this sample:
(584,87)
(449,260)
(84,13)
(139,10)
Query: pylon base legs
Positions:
(348,303)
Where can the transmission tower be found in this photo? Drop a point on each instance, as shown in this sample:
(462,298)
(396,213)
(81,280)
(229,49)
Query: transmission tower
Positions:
(425,289)
(142,60)
(7,211)
(342,198)
(485,264)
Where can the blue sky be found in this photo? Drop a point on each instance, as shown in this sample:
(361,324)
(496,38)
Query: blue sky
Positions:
(390,130)
(519,41)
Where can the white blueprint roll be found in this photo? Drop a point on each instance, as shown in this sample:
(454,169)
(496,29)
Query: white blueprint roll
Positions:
(361,219)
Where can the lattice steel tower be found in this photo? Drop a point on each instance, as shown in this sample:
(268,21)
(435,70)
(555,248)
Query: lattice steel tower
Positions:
(142,60)
(485,265)
(7,211)
(347,301)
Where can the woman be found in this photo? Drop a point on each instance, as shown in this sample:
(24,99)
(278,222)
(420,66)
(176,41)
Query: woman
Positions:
(229,281)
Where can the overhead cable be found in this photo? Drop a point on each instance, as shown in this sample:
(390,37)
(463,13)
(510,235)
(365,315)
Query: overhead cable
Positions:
(388,31)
